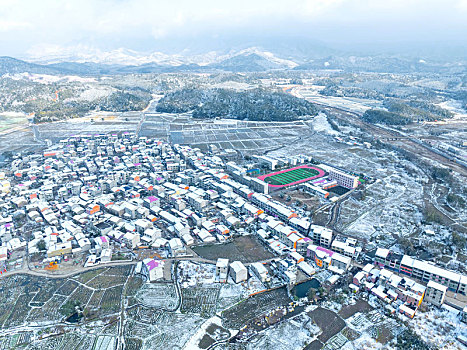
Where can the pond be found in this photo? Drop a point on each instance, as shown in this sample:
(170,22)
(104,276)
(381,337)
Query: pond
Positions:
(301,290)
(74,318)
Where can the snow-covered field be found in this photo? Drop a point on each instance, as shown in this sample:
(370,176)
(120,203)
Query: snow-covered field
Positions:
(456,108)
(292,334)
(94,93)
(195,274)
(440,327)
(49,79)
(321,124)
(391,206)
(161,295)
(193,343)
(233,85)
(348,103)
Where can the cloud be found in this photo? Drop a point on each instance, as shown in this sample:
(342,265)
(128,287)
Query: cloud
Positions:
(462,5)
(8,25)
(110,23)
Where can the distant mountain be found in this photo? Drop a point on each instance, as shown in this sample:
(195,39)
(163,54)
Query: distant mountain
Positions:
(382,64)
(89,68)
(12,66)
(249,62)
(130,62)
(156,61)
(252,59)
(120,56)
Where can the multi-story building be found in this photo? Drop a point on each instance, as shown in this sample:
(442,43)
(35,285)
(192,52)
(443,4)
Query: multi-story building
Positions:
(321,235)
(343,179)
(387,259)
(421,270)
(259,186)
(222,267)
(260,271)
(238,272)
(59,249)
(435,293)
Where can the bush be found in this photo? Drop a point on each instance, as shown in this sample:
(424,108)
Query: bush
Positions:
(409,340)
(442,174)
(375,116)
(455,200)
(311,295)
(41,245)
(459,240)
(69,308)
(432,215)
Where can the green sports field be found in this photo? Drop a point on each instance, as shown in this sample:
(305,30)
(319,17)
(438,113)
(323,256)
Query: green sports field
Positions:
(291,176)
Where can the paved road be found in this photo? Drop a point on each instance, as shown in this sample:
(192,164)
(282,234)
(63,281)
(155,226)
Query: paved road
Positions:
(57,274)
(50,274)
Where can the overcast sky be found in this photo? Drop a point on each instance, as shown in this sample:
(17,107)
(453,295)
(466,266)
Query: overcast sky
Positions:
(35,26)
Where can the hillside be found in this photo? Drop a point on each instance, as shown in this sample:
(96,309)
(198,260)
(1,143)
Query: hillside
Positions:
(9,65)
(257,104)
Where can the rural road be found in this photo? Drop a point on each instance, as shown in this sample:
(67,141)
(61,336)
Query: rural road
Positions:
(44,273)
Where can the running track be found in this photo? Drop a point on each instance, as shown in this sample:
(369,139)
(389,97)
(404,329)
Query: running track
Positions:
(321,173)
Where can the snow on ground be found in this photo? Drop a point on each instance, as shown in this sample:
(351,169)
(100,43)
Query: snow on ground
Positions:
(439,327)
(231,290)
(92,115)
(310,308)
(254,285)
(365,342)
(105,342)
(320,124)
(160,295)
(359,322)
(391,206)
(192,344)
(430,83)
(292,334)
(235,85)
(172,331)
(71,78)
(194,274)
(13,114)
(454,107)
(311,93)
(48,79)
(332,305)
(93,93)
(231,294)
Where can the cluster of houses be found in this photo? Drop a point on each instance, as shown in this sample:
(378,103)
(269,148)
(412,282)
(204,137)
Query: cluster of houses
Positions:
(95,196)
(236,270)
(405,282)
(102,195)
(422,270)
(404,294)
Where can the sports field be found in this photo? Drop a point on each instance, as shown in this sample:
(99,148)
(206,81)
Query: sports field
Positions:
(292,176)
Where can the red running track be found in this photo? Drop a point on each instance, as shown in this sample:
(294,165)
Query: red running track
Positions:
(321,173)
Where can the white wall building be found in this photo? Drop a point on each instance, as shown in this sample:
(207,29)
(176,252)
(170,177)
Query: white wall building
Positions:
(238,272)
(222,268)
(435,293)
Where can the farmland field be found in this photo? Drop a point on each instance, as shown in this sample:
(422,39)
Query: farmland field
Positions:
(257,305)
(247,249)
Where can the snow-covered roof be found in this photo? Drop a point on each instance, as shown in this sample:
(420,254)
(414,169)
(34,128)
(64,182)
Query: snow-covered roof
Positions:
(436,285)
(382,252)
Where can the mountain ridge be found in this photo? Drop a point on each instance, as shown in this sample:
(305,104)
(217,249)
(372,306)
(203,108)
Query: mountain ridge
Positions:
(248,60)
